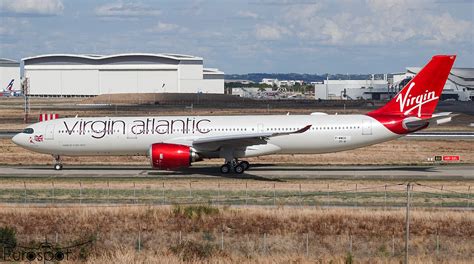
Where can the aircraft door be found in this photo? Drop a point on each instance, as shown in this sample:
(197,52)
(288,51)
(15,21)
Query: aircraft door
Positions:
(260,128)
(367,127)
(49,133)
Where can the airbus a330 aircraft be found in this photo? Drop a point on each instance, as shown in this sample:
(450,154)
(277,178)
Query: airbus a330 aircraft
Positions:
(174,142)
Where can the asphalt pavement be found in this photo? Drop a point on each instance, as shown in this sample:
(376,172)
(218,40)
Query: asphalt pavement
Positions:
(256,172)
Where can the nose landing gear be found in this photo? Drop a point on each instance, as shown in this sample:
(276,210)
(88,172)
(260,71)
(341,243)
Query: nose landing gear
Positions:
(58,164)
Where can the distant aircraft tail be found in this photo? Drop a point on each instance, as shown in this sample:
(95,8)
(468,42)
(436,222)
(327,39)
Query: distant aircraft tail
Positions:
(10,86)
(418,99)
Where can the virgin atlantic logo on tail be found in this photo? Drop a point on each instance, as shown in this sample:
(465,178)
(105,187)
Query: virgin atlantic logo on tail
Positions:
(411,102)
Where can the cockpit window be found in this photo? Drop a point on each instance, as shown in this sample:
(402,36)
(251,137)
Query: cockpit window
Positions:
(28,130)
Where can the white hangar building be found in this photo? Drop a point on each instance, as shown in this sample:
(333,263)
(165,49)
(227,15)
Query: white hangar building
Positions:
(90,75)
(9,75)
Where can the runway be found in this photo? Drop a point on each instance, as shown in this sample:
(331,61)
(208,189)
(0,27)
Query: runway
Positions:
(257,172)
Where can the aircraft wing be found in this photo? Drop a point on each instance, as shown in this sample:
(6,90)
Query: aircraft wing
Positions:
(237,140)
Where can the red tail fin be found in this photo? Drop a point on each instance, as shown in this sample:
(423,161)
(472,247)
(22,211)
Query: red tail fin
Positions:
(421,95)
(418,99)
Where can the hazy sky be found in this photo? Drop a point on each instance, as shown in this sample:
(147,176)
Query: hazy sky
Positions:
(248,36)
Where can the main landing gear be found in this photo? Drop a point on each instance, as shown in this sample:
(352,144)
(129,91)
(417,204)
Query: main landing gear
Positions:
(58,164)
(237,166)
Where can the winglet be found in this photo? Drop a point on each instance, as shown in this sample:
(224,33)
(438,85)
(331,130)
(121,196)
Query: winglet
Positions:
(304,129)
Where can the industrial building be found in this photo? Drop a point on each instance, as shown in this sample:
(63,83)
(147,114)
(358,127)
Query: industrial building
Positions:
(90,75)
(9,75)
(351,89)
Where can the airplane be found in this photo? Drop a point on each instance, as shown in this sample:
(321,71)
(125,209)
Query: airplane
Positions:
(9,89)
(174,142)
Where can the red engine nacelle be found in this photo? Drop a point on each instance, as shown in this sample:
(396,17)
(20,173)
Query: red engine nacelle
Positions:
(165,156)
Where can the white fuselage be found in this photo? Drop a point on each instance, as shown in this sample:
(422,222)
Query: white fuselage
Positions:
(135,135)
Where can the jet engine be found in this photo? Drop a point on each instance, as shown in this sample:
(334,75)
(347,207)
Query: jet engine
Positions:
(165,156)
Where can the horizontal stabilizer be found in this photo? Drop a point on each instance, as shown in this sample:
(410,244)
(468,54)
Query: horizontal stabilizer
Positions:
(436,119)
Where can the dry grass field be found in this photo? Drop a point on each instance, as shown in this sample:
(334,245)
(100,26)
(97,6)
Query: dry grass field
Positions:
(203,234)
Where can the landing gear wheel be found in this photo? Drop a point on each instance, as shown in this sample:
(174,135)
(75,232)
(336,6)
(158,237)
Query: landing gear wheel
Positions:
(239,169)
(245,164)
(58,166)
(225,168)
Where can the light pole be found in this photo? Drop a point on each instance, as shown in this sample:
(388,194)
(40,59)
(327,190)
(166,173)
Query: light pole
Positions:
(407,224)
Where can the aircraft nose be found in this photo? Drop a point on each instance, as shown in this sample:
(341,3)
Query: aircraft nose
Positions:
(17,139)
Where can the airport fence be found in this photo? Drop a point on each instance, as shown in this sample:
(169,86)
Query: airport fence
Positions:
(390,195)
